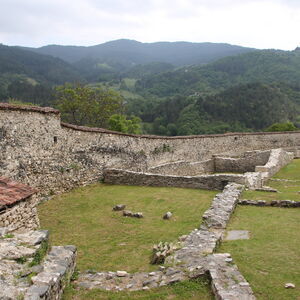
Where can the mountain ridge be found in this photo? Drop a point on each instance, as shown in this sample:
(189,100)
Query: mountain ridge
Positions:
(192,53)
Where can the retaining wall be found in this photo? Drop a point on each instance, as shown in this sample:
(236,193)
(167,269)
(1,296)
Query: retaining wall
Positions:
(208,182)
(39,150)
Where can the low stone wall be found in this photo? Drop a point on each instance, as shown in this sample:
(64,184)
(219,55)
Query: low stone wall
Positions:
(21,257)
(209,182)
(278,159)
(20,216)
(273,203)
(226,281)
(246,163)
(59,266)
(184,168)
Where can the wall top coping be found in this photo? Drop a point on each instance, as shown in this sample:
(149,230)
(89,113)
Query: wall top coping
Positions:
(49,110)
(102,130)
(12,191)
(43,110)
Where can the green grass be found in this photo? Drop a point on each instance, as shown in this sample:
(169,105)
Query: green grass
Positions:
(270,258)
(290,171)
(191,290)
(287,190)
(108,241)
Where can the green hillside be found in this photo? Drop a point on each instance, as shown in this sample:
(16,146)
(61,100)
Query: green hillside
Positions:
(244,92)
(43,68)
(267,66)
(112,60)
(30,76)
(134,52)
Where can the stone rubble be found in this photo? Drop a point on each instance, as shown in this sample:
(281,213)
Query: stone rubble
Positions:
(111,281)
(119,207)
(266,189)
(161,251)
(227,282)
(17,252)
(274,203)
(128,213)
(58,267)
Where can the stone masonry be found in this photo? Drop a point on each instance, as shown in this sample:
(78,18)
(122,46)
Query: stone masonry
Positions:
(17,206)
(252,180)
(22,278)
(38,150)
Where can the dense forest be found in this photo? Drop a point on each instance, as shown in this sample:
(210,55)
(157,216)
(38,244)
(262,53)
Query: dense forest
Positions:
(174,88)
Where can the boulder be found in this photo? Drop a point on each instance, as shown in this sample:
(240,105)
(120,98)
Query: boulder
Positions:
(167,216)
(119,207)
(127,213)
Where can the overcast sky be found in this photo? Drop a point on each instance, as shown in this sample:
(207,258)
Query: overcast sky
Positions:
(259,24)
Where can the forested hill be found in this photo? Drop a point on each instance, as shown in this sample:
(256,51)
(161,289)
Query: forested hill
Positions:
(241,93)
(30,76)
(44,68)
(129,52)
(266,66)
(244,92)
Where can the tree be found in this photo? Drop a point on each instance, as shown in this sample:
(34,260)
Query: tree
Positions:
(288,126)
(119,122)
(89,106)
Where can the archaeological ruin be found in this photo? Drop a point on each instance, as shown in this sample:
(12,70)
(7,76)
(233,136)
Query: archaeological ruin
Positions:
(41,156)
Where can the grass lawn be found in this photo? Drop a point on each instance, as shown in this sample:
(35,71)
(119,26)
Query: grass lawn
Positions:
(106,240)
(287,190)
(271,257)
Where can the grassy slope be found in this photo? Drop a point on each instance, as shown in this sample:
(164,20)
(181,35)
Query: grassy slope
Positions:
(271,257)
(108,241)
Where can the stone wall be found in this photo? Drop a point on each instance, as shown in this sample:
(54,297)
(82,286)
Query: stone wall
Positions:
(184,168)
(39,150)
(209,182)
(59,266)
(20,216)
(26,273)
(245,163)
(277,159)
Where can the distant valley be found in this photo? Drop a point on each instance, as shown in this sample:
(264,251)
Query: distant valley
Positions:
(176,88)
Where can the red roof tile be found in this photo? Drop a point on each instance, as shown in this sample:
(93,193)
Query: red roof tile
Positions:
(12,191)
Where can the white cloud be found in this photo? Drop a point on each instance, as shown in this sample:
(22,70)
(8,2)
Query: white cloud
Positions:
(260,24)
